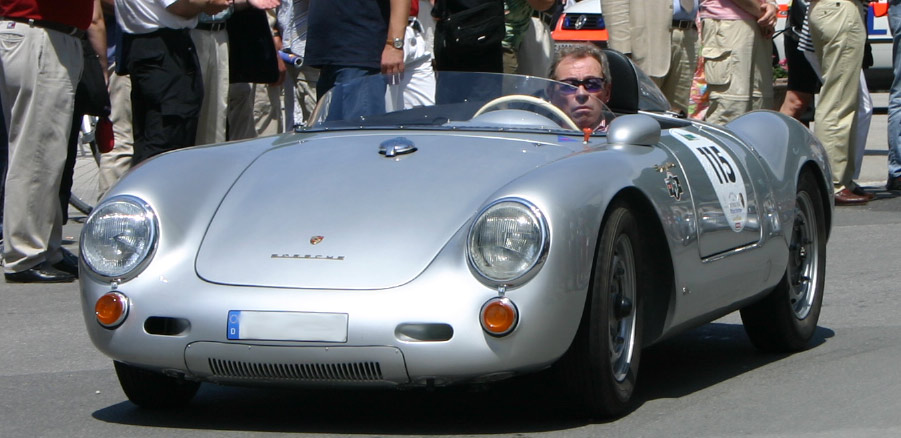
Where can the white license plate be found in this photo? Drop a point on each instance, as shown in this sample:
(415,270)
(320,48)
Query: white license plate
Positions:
(287,326)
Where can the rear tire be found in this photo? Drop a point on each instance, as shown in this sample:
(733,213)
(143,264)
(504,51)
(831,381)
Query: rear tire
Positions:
(601,368)
(786,319)
(151,390)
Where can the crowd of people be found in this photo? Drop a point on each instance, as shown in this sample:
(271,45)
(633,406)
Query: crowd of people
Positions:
(170,83)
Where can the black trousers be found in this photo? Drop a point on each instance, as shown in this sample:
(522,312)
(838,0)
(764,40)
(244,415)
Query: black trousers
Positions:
(167,90)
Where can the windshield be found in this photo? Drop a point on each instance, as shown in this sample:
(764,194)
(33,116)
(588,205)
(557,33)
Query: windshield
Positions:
(463,100)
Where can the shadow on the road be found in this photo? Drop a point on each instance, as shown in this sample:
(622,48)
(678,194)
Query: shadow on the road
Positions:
(690,362)
(703,357)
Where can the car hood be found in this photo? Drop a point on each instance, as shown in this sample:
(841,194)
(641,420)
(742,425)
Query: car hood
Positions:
(584,7)
(332,212)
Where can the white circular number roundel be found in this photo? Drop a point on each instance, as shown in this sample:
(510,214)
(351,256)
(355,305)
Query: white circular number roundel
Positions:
(724,176)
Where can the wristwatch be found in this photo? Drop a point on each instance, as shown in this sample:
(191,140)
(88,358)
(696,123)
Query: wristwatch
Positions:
(397,43)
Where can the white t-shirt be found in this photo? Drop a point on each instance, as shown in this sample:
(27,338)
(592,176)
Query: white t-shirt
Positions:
(144,16)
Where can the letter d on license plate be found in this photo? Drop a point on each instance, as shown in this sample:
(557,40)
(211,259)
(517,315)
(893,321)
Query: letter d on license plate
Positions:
(287,326)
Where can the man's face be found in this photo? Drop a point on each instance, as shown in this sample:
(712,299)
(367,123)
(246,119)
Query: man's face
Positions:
(584,103)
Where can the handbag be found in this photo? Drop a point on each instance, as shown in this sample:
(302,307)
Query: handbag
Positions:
(251,50)
(474,29)
(91,94)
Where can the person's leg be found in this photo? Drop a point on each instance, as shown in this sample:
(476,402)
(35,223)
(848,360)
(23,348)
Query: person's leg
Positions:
(267,109)
(894,103)
(728,49)
(683,63)
(796,103)
(366,99)
(115,163)
(212,52)
(864,116)
(306,81)
(167,92)
(37,148)
(838,35)
(240,112)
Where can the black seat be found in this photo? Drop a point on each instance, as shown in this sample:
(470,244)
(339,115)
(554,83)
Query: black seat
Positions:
(624,96)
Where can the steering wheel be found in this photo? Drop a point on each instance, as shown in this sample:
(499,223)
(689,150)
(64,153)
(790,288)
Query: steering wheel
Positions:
(523,98)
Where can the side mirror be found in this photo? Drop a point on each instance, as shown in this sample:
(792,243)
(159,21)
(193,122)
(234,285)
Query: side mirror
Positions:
(634,129)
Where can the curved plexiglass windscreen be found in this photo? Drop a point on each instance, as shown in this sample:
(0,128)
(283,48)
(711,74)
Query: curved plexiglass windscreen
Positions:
(463,100)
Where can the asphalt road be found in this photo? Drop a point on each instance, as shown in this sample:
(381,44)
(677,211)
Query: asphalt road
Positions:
(708,382)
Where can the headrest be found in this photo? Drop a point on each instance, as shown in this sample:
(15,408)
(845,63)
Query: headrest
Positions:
(624,95)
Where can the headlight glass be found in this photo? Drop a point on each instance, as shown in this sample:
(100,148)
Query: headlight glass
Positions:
(118,237)
(507,240)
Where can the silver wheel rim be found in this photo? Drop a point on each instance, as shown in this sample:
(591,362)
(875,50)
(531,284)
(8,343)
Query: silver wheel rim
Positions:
(803,258)
(621,308)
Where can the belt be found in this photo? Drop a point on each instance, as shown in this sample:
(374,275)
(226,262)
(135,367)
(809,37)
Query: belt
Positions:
(684,24)
(219,25)
(52,25)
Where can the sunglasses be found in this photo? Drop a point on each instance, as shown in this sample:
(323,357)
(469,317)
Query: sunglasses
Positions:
(592,85)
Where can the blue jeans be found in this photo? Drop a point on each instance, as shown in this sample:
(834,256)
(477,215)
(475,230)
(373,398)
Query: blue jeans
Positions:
(894,103)
(365,100)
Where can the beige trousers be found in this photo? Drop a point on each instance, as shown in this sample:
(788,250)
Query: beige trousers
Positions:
(838,37)
(738,68)
(267,109)
(40,69)
(212,51)
(676,85)
(116,162)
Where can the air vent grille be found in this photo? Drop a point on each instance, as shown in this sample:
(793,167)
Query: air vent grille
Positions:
(314,372)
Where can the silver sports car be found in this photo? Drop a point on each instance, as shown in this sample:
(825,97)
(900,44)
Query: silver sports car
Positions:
(472,238)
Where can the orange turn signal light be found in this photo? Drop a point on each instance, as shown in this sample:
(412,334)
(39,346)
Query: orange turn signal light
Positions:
(111,309)
(499,316)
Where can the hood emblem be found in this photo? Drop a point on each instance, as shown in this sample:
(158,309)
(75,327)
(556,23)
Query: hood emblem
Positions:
(316,239)
(396,146)
(580,22)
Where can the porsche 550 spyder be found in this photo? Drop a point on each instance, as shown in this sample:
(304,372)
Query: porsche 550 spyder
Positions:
(469,240)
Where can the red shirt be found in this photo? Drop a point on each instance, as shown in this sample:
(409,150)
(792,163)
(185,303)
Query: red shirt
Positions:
(76,13)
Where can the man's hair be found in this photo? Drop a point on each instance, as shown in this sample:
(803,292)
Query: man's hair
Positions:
(578,51)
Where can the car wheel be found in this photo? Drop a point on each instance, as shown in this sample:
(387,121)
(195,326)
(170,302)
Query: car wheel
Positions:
(786,319)
(602,365)
(151,390)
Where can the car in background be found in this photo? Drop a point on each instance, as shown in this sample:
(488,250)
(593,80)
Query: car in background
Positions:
(581,21)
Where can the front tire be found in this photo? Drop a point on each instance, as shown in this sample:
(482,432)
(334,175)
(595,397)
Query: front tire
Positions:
(151,390)
(786,319)
(601,367)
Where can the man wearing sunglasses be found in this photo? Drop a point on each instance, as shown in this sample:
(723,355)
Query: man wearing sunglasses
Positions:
(584,70)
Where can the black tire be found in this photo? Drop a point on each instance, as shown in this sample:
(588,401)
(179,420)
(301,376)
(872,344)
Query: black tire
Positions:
(151,390)
(785,320)
(601,367)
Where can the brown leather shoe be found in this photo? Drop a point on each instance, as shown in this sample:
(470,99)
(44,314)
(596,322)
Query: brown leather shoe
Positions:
(847,197)
(859,191)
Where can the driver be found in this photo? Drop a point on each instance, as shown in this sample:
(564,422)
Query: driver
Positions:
(584,67)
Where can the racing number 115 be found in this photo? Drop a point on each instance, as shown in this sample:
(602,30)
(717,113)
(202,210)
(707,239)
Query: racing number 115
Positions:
(720,164)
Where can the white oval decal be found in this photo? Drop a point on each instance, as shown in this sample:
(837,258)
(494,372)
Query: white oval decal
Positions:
(724,175)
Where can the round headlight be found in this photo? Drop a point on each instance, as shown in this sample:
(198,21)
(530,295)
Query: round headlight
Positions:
(507,240)
(118,237)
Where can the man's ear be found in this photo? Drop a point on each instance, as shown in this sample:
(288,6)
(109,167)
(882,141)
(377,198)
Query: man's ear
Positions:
(609,87)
